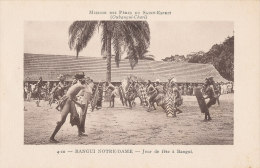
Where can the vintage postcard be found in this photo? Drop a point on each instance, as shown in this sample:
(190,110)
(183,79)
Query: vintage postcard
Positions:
(130,84)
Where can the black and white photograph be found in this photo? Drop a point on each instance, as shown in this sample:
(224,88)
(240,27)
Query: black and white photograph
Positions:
(143,84)
(128,82)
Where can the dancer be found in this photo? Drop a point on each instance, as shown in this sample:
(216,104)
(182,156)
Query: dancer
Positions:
(84,98)
(38,90)
(67,106)
(209,92)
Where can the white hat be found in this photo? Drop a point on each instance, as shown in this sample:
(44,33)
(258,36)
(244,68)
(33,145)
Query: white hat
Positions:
(157,80)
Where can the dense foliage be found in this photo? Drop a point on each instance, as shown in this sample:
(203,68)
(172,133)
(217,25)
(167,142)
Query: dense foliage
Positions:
(175,58)
(221,56)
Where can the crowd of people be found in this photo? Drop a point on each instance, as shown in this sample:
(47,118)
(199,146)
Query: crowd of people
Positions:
(188,88)
(75,97)
(49,88)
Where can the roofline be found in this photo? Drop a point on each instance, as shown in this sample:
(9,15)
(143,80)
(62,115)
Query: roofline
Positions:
(166,62)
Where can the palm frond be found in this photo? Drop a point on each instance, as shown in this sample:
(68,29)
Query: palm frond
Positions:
(80,32)
(141,36)
(118,42)
(129,43)
(137,39)
(132,37)
(103,26)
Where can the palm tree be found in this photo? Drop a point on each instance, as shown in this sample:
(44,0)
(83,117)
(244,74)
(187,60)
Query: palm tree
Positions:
(132,37)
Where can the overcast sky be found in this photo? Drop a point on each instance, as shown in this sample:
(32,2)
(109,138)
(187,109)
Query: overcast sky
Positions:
(167,38)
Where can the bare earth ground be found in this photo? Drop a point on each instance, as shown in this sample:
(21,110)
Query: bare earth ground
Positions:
(124,126)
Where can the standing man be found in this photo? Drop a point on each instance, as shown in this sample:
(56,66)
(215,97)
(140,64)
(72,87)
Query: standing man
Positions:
(27,89)
(48,88)
(209,92)
(38,89)
(215,88)
(152,93)
(111,88)
(61,85)
(100,96)
(218,92)
(97,96)
(58,91)
(177,96)
(67,106)
(159,86)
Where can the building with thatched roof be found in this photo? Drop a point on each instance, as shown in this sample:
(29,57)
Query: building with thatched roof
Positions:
(49,67)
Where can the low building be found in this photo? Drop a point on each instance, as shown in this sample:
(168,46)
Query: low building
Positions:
(50,66)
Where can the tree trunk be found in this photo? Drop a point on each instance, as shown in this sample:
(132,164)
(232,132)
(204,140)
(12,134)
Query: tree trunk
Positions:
(108,55)
(77,55)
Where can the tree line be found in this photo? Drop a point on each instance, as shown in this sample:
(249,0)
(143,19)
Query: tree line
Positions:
(221,56)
